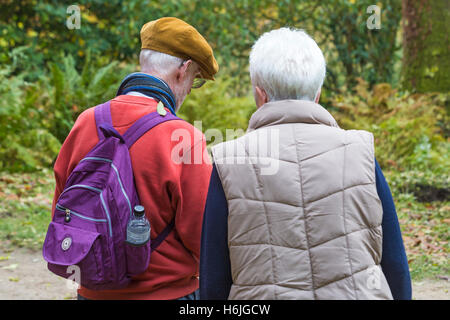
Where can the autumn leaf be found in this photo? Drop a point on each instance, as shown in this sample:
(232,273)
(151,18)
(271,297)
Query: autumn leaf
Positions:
(11,267)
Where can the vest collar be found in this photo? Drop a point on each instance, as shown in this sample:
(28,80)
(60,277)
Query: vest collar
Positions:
(290,111)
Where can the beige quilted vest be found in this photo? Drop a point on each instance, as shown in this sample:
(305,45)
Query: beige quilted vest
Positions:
(304,214)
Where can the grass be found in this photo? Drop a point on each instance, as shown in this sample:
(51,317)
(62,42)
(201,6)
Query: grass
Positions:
(25,210)
(426,234)
(425,224)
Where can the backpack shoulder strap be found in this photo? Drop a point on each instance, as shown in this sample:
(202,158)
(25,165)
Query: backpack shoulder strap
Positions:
(102,114)
(144,124)
(138,128)
(162,236)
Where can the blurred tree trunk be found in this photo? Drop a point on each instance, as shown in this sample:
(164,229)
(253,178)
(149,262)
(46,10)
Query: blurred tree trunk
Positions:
(426,51)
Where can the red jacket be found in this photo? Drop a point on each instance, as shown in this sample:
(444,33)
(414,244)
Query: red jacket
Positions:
(166,187)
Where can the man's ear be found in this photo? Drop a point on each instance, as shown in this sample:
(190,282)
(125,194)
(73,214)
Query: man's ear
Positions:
(260,96)
(318,96)
(182,70)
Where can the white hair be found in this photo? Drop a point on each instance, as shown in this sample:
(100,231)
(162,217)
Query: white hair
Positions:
(287,64)
(155,61)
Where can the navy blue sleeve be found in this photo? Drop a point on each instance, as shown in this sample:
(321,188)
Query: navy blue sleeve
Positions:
(215,269)
(393,261)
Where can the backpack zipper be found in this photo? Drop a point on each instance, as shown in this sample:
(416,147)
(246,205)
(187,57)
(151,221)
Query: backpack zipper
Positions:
(79,215)
(100,191)
(118,178)
(80,186)
(67,217)
(97,158)
(69,212)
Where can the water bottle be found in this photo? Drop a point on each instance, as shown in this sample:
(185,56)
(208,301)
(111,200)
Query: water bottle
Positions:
(138,228)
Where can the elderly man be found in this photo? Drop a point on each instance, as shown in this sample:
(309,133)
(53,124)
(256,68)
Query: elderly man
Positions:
(174,58)
(293,208)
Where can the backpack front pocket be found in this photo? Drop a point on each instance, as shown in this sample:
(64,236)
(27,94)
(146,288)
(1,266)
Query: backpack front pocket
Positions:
(75,247)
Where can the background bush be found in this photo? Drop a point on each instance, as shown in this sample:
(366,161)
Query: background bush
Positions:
(35,117)
(50,74)
(217,107)
(410,130)
(25,144)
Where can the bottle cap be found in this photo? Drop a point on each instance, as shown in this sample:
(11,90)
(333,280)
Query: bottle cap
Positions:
(139,211)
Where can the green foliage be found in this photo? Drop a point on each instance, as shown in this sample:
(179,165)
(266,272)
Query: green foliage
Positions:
(35,118)
(425,232)
(71,92)
(24,144)
(354,50)
(108,28)
(111,29)
(25,208)
(423,185)
(410,130)
(426,57)
(217,107)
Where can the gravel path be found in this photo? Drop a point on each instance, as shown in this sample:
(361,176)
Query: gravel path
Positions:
(24,276)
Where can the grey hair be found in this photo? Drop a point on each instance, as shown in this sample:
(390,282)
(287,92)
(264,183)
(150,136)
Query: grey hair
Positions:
(287,64)
(158,62)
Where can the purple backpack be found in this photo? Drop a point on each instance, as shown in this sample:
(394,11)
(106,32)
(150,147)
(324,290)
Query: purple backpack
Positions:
(88,229)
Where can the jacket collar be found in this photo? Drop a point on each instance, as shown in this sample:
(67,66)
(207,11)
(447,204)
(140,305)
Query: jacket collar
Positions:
(290,111)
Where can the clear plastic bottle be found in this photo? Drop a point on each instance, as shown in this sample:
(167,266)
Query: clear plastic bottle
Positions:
(138,228)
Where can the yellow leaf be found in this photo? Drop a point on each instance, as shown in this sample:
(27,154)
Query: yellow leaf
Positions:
(90,18)
(31,33)
(11,266)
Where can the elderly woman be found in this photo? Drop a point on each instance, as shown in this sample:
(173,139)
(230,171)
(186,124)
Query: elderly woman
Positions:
(293,209)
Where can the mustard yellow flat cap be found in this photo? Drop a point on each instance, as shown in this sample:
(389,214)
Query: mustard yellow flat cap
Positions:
(178,38)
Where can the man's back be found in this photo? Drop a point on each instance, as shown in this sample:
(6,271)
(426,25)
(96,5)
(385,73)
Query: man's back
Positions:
(166,187)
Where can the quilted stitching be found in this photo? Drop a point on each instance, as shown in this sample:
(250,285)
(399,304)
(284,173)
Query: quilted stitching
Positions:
(312,226)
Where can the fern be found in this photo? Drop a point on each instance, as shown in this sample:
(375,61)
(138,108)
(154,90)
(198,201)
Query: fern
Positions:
(35,118)
(73,91)
(217,108)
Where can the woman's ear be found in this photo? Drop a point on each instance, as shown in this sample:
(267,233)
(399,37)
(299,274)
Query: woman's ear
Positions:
(260,96)
(318,96)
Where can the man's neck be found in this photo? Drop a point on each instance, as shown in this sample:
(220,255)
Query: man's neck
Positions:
(135,93)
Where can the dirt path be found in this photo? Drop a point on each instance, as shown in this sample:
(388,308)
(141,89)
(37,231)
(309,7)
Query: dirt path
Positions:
(24,276)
